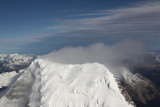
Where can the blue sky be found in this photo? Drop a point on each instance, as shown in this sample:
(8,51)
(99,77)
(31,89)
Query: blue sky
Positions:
(41,26)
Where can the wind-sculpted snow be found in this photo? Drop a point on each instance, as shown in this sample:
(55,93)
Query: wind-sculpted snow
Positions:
(49,84)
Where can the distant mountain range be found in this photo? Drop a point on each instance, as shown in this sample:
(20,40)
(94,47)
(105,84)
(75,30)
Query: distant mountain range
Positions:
(14,62)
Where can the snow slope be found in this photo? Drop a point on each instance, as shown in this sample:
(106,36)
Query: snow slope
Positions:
(49,84)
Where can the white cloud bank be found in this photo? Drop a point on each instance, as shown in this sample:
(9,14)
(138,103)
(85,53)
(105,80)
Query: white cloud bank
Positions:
(110,56)
(99,52)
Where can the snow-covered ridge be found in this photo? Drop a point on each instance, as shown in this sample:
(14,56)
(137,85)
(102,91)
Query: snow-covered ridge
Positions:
(65,85)
(140,88)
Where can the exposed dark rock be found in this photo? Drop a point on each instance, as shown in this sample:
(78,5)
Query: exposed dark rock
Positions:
(125,93)
(142,90)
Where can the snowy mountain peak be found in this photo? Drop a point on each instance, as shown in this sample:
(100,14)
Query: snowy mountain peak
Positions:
(48,84)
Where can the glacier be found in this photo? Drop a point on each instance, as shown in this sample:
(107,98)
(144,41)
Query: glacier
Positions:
(48,84)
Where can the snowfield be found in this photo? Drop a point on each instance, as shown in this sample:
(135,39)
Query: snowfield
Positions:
(49,84)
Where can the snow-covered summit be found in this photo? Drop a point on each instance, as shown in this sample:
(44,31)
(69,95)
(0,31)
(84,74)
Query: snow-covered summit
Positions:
(48,84)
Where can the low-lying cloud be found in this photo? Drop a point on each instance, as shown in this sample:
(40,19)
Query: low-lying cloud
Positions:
(98,52)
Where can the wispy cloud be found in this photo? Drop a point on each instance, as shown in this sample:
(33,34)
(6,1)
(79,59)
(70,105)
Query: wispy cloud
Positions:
(137,21)
(141,21)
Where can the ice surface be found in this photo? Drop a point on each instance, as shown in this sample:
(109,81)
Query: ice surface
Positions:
(49,84)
